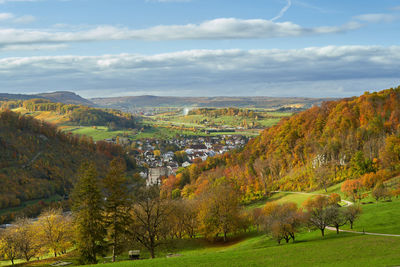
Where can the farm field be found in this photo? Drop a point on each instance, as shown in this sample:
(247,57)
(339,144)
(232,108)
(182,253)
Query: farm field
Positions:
(265,119)
(167,125)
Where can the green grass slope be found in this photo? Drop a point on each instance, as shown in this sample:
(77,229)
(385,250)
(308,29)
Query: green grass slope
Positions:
(309,250)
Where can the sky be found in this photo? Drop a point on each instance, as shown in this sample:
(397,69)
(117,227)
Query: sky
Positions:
(107,48)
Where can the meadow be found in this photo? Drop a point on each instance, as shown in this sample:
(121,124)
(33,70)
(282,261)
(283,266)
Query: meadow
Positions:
(258,249)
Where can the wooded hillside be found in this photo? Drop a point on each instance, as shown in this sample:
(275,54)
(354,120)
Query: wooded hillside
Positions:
(38,161)
(339,140)
(77,114)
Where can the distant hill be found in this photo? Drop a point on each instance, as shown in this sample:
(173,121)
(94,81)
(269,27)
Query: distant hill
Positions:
(59,113)
(37,161)
(59,97)
(131,102)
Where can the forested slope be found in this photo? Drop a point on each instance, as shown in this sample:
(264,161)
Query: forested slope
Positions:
(75,114)
(339,140)
(38,161)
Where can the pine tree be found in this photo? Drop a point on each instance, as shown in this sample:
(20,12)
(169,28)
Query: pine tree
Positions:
(117,204)
(88,214)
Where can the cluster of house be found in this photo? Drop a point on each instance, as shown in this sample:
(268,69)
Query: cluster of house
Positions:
(163,158)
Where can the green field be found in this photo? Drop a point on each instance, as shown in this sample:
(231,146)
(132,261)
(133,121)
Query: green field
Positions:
(162,126)
(310,250)
(269,118)
(345,249)
(97,133)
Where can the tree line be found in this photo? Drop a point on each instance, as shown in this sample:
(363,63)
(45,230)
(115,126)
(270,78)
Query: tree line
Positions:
(116,213)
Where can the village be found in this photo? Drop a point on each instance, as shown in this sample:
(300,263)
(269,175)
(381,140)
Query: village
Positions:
(159,158)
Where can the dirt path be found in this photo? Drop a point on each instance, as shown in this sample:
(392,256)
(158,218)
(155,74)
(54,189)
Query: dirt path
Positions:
(363,233)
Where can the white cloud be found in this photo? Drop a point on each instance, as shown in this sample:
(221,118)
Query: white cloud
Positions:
(314,71)
(376,18)
(218,29)
(14,19)
(24,19)
(33,47)
(6,16)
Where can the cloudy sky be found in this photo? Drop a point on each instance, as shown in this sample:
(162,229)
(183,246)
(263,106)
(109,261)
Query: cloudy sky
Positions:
(100,48)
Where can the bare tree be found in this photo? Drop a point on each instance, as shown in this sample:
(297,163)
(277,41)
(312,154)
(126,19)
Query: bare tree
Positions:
(352,213)
(317,215)
(149,216)
(282,221)
(336,216)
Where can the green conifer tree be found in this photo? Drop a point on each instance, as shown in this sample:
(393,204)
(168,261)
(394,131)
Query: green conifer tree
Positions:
(88,214)
(117,204)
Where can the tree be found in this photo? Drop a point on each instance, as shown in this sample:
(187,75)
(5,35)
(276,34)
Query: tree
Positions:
(336,216)
(183,218)
(54,231)
(334,199)
(28,239)
(117,204)
(149,214)
(353,189)
(361,164)
(219,211)
(380,192)
(317,215)
(282,221)
(88,214)
(351,213)
(257,217)
(190,222)
(9,244)
(323,177)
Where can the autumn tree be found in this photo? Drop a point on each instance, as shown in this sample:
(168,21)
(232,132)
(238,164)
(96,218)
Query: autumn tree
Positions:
(354,189)
(54,231)
(28,238)
(380,192)
(149,215)
(88,214)
(334,199)
(183,218)
(116,205)
(323,177)
(219,210)
(257,217)
(9,244)
(317,214)
(282,221)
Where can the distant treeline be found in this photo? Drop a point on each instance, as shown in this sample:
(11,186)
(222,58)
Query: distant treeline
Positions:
(79,114)
(212,112)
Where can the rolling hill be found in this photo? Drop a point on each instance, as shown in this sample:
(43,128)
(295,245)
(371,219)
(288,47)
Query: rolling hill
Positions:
(37,161)
(58,97)
(131,102)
